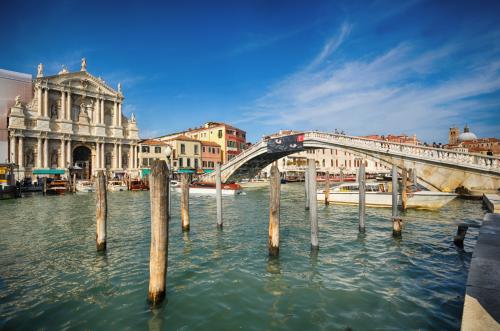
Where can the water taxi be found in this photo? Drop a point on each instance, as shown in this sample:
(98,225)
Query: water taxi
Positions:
(57,186)
(138,185)
(378,195)
(255,182)
(209,188)
(117,186)
(84,186)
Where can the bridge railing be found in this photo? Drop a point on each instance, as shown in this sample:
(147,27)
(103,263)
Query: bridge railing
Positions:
(485,162)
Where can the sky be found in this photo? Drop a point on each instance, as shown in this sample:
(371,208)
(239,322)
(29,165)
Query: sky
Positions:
(364,67)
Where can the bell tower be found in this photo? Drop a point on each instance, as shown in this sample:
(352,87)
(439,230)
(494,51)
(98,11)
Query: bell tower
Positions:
(453,135)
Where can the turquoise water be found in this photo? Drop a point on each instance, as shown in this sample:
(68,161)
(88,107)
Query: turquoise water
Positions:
(52,277)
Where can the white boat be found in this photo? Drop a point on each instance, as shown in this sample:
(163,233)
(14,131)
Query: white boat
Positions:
(255,182)
(377,195)
(117,186)
(85,186)
(209,188)
(174,183)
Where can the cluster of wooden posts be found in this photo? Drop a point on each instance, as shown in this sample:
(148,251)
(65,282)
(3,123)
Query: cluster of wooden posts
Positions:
(160,214)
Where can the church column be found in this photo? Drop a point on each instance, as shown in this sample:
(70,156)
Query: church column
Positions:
(69,156)
(97,113)
(46,153)
(40,101)
(46,102)
(115,114)
(39,153)
(20,155)
(120,165)
(62,114)
(68,107)
(102,111)
(113,157)
(135,156)
(120,114)
(103,155)
(98,155)
(12,149)
(130,157)
(62,160)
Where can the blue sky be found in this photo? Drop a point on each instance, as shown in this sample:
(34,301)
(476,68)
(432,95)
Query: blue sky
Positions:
(363,67)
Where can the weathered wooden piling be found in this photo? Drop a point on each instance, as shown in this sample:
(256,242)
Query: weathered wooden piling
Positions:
(158,254)
(306,182)
(313,204)
(185,201)
(458,240)
(274,212)
(218,195)
(404,183)
(101,213)
(73,185)
(414,176)
(327,189)
(394,191)
(44,185)
(362,196)
(397,226)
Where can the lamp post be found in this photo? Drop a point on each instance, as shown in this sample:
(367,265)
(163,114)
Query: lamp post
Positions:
(168,153)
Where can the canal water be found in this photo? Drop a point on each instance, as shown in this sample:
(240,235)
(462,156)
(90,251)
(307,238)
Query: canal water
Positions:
(52,278)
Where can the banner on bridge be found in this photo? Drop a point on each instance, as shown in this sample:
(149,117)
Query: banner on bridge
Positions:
(292,143)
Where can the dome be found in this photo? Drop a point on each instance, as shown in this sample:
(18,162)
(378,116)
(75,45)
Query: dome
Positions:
(467,136)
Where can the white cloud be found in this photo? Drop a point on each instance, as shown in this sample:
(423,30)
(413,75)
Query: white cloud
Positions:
(405,89)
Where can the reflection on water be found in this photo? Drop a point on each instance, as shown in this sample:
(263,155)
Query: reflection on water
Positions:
(53,278)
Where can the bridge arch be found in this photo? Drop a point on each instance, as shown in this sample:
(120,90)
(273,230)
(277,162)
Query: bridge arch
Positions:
(438,169)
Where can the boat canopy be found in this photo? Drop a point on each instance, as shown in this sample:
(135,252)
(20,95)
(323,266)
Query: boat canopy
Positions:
(145,172)
(48,172)
(187,171)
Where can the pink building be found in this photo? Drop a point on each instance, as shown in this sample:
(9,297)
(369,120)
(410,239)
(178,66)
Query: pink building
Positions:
(210,155)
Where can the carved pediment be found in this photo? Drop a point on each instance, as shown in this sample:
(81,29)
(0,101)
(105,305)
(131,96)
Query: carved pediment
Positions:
(82,80)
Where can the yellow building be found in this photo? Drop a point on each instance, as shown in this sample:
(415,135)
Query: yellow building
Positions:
(231,140)
(186,153)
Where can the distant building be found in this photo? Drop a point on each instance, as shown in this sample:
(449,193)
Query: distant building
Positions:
(468,142)
(231,140)
(186,154)
(401,139)
(149,151)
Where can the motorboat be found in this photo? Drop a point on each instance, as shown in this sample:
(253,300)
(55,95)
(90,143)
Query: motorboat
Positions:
(254,182)
(57,186)
(378,195)
(209,188)
(174,183)
(138,185)
(84,186)
(117,186)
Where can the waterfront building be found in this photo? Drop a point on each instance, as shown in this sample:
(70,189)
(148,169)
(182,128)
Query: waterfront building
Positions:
(72,122)
(210,155)
(401,138)
(186,154)
(468,142)
(149,151)
(12,84)
(231,139)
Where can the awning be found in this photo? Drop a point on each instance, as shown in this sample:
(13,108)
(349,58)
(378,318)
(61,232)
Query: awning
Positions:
(207,171)
(185,171)
(48,172)
(145,172)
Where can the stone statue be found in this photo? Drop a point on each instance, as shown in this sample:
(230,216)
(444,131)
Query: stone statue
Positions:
(84,64)
(120,87)
(18,101)
(53,111)
(63,70)
(54,158)
(29,158)
(40,71)
(132,117)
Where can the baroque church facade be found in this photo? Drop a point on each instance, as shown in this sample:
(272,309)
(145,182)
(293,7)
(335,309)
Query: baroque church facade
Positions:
(73,123)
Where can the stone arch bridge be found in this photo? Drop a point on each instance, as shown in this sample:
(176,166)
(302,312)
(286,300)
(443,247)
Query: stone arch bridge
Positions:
(436,169)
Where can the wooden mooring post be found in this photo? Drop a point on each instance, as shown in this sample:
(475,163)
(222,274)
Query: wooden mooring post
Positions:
(73,185)
(458,240)
(158,254)
(362,196)
(101,211)
(327,189)
(44,185)
(313,204)
(218,196)
(274,211)
(306,185)
(185,201)
(404,184)
(397,222)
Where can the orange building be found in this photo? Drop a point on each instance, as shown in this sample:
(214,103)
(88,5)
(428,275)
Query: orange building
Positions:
(210,155)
